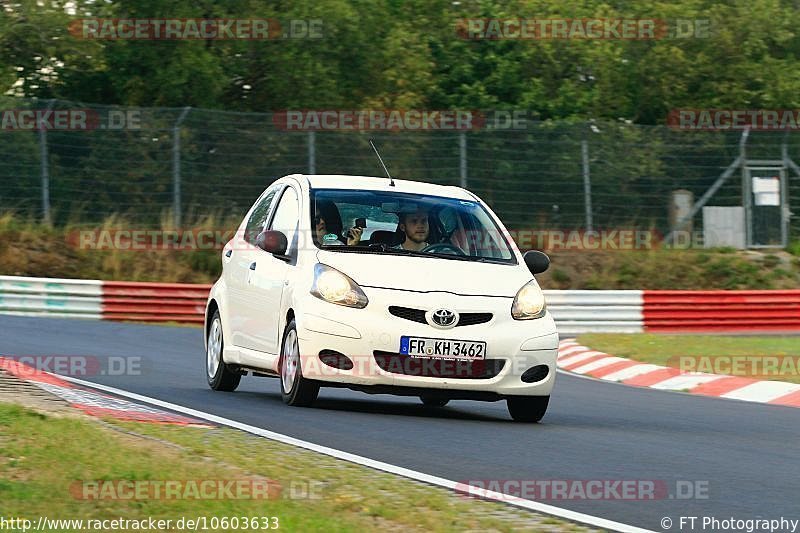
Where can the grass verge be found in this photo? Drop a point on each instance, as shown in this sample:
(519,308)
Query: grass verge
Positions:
(664,349)
(42,455)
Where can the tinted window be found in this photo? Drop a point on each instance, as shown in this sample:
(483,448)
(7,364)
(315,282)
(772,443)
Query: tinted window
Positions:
(455,226)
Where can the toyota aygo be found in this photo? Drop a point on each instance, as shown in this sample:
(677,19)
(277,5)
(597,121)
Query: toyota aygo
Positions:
(381,286)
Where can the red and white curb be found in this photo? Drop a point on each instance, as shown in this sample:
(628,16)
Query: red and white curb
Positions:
(572,357)
(94,403)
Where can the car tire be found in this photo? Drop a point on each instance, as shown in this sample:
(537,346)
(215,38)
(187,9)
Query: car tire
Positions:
(221,377)
(527,408)
(295,389)
(433,401)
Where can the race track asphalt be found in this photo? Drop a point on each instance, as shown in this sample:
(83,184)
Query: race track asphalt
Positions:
(746,453)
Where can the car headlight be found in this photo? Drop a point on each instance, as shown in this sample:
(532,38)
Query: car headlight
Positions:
(334,287)
(529,302)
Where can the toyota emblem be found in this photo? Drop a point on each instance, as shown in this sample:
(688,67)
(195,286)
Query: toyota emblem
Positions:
(443,318)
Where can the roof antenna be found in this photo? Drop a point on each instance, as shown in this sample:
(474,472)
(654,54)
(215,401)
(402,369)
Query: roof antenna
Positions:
(391,179)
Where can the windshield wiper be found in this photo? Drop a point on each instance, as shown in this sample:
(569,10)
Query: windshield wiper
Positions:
(417,253)
(377,248)
(349,248)
(473,258)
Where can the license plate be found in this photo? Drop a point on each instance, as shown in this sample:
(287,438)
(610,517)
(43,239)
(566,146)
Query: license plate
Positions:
(442,348)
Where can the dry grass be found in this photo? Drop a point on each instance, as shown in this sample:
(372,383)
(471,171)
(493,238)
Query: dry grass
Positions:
(672,269)
(28,248)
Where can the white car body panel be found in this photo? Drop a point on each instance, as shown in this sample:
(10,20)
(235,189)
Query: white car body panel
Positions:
(422,274)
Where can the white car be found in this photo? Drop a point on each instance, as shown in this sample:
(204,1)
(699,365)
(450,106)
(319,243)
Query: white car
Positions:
(434,300)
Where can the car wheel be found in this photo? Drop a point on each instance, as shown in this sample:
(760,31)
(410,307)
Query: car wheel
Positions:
(527,408)
(433,401)
(295,389)
(220,376)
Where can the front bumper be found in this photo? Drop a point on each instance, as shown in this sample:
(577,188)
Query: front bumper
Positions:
(360,334)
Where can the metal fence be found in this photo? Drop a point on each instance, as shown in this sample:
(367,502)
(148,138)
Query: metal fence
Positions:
(178,163)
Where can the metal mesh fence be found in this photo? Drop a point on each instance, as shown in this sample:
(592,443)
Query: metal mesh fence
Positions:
(197,161)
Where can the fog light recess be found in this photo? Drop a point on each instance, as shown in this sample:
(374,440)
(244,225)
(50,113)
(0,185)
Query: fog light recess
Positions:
(535,373)
(335,359)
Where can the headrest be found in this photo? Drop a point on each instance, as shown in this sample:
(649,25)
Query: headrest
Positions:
(389,238)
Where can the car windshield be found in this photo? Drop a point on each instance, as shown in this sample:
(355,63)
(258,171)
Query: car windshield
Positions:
(402,223)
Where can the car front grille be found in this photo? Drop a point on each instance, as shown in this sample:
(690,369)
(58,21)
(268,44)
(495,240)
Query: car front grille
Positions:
(470,319)
(397,363)
(418,315)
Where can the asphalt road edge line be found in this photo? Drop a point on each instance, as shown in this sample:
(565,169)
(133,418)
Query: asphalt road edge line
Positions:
(371,463)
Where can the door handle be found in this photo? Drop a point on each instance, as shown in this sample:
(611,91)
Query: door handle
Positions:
(253,265)
(228,253)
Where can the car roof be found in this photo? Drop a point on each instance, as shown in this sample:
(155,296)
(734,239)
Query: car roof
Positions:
(373,183)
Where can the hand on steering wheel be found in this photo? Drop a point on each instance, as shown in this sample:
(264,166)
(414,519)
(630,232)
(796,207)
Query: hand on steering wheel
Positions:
(444,247)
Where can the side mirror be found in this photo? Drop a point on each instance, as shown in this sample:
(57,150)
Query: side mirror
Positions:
(273,242)
(537,261)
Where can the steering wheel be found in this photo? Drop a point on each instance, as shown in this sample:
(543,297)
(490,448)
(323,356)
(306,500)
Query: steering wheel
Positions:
(444,247)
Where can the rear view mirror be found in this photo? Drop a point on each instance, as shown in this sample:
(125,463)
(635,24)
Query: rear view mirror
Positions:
(536,261)
(273,242)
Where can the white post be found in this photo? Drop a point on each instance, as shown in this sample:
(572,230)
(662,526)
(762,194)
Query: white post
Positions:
(462,158)
(44,162)
(176,168)
(587,184)
(747,195)
(312,153)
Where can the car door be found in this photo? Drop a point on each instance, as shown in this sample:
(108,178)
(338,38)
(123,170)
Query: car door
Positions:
(237,258)
(267,276)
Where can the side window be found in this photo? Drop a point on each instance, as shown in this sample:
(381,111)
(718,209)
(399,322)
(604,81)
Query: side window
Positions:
(287,215)
(255,224)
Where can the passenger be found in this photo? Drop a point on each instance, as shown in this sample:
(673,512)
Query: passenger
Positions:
(321,230)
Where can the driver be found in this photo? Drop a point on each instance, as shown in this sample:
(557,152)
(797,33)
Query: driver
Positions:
(416,228)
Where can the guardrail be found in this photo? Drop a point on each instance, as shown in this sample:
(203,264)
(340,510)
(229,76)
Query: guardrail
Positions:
(154,302)
(596,311)
(106,300)
(51,297)
(724,311)
(581,311)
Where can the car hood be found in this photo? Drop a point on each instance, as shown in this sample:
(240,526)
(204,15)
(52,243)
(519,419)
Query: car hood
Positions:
(428,274)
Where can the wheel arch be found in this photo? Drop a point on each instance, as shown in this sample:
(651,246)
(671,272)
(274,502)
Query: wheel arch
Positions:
(211,308)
